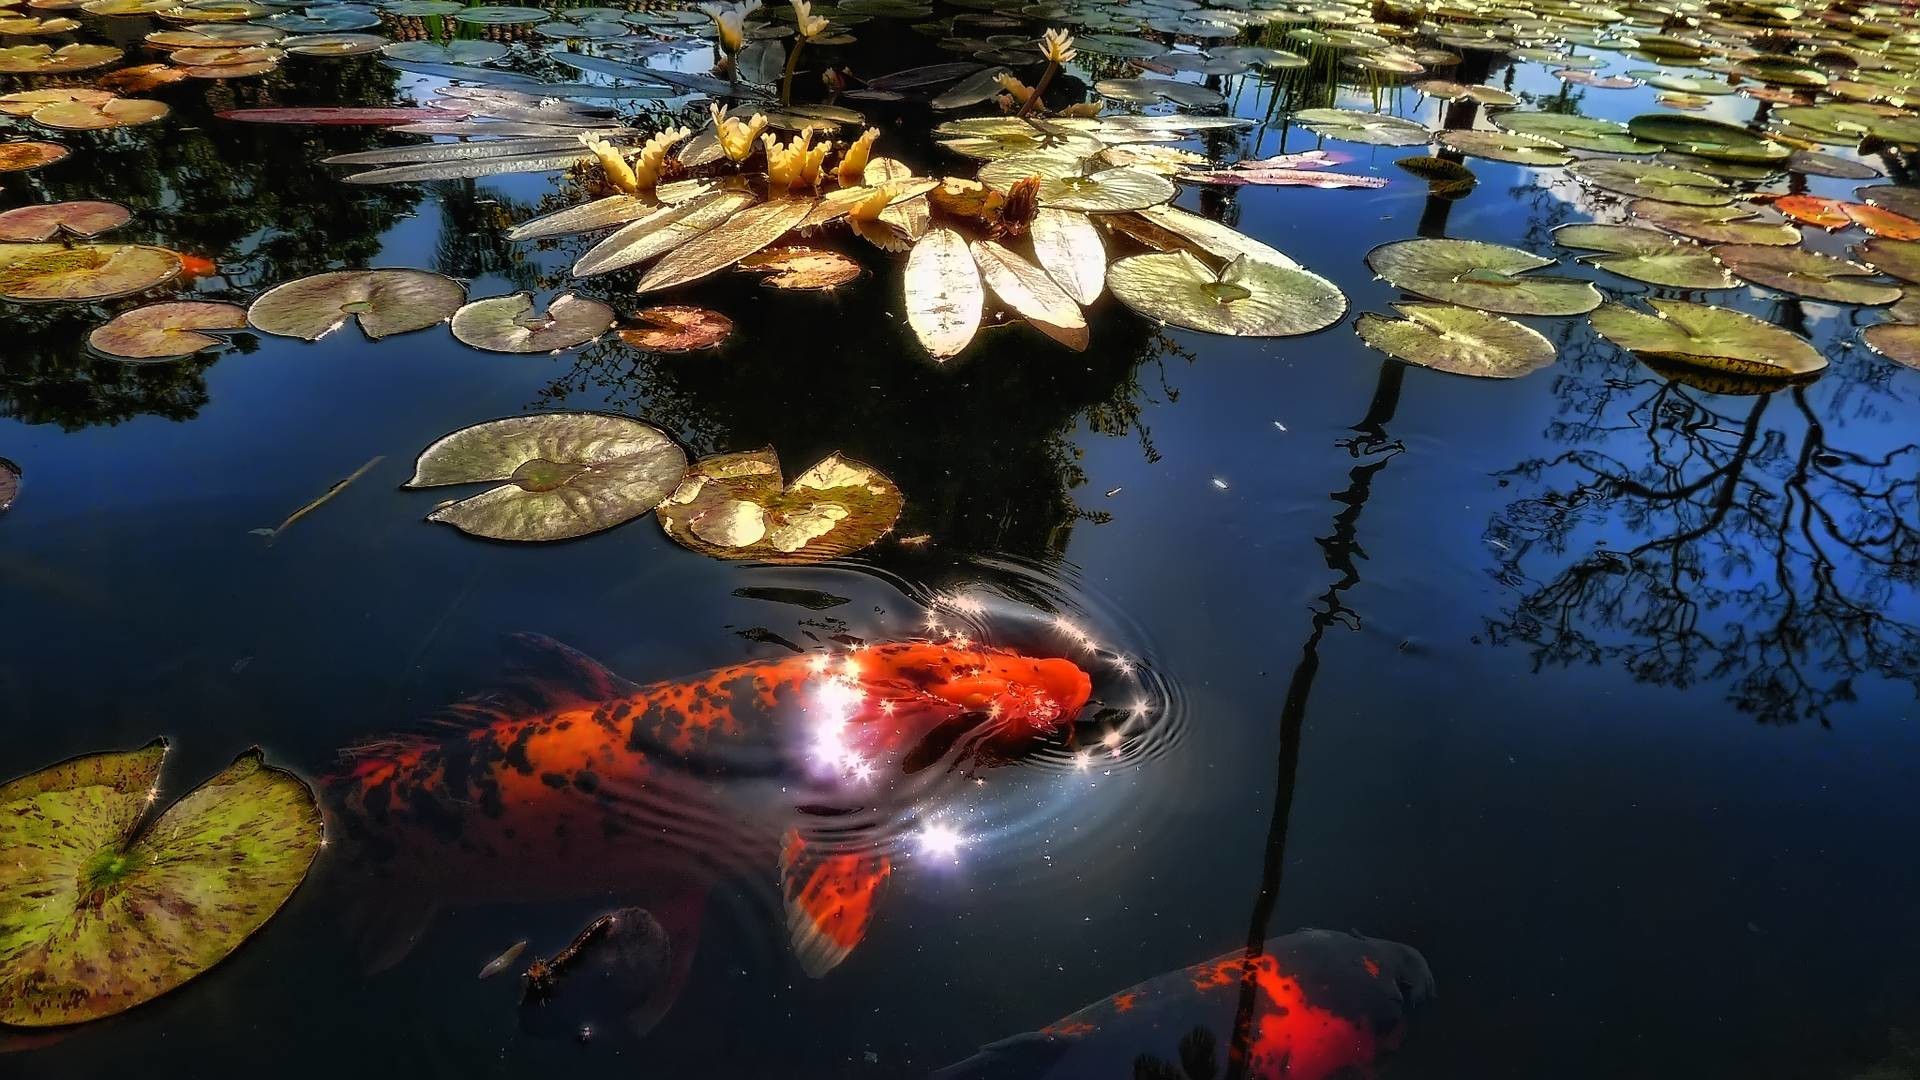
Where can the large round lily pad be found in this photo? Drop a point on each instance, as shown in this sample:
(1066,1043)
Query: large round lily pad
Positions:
(1714,224)
(84,271)
(1643,180)
(1712,337)
(1374,129)
(1066,185)
(386,302)
(511,324)
(1646,255)
(1706,138)
(1512,147)
(1459,340)
(44,221)
(21,156)
(1806,273)
(1896,258)
(560,475)
(1897,341)
(1479,275)
(104,907)
(1249,298)
(165,331)
(732,506)
(1576,132)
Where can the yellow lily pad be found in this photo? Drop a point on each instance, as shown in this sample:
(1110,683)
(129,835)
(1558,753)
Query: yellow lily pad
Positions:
(82,272)
(733,506)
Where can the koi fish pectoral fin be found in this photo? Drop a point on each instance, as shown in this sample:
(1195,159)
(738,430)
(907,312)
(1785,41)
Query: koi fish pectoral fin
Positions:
(551,674)
(829,895)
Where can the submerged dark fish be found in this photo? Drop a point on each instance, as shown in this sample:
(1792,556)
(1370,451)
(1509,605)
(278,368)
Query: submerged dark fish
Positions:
(1326,1006)
(575,782)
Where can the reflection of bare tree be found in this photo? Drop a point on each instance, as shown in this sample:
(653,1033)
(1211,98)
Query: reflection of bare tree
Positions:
(1760,552)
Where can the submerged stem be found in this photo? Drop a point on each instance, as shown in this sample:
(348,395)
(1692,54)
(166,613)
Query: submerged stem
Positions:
(793,63)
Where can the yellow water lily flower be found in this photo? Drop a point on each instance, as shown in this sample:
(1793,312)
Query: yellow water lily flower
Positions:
(736,136)
(811,25)
(643,172)
(795,166)
(853,163)
(1058,46)
(868,209)
(730,20)
(613,163)
(1019,91)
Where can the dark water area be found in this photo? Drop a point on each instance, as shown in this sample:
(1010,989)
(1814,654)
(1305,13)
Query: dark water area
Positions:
(1597,687)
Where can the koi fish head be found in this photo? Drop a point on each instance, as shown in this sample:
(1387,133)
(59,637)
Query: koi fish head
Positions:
(918,691)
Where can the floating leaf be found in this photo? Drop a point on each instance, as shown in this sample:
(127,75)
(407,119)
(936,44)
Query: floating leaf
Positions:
(1457,340)
(1169,228)
(47,220)
(1068,247)
(727,243)
(453,52)
(732,506)
(1479,275)
(1065,185)
(1805,273)
(1714,224)
(1897,341)
(662,230)
(677,328)
(103,907)
(1706,138)
(972,90)
(1576,132)
(1818,164)
(1150,91)
(1453,91)
(798,266)
(1896,258)
(1880,221)
(944,298)
(1643,180)
(1904,201)
(386,302)
(21,156)
(84,271)
(1708,336)
(1250,298)
(1646,255)
(1377,129)
(9,483)
(167,331)
(1512,147)
(333,44)
(561,475)
(1027,289)
(1829,214)
(511,324)
(44,60)
(1239,177)
(345,116)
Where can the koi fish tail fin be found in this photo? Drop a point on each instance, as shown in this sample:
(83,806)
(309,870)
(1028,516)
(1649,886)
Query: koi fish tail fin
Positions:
(829,892)
(1026,1056)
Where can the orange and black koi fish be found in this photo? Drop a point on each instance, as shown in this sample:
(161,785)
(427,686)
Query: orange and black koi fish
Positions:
(575,782)
(1327,1006)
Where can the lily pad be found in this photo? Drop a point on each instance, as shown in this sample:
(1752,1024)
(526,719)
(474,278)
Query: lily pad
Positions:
(1457,340)
(1482,276)
(727,243)
(44,221)
(561,475)
(9,483)
(1028,290)
(1574,132)
(732,506)
(1250,298)
(500,15)
(1646,255)
(104,907)
(1511,147)
(1895,258)
(1069,248)
(1806,273)
(510,324)
(944,297)
(386,302)
(1643,180)
(45,60)
(84,271)
(1375,129)
(677,328)
(1150,91)
(1712,337)
(1714,224)
(167,331)
(798,266)
(21,156)
(453,52)
(1706,138)
(1897,341)
(1066,185)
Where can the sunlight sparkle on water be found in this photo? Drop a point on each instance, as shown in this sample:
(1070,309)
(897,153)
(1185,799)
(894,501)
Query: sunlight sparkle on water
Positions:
(941,840)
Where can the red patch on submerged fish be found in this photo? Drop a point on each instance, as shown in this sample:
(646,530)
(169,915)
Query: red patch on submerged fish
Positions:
(1372,966)
(1125,1002)
(1290,1032)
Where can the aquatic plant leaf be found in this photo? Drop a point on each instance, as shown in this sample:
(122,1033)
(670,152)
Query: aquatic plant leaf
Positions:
(1066,185)
(1806,273)
(972,90)
(45,60)
(9,483)
(1240,176)
(84,271)
(727,243)
(1706,336)
(1897,341)
(103,909)
(1028,290)
(1453,91)
(140,78)
(799,266)
(1574,132)
(1714,224)
(166,331)
(453,52)
(661,231)
(601,213)
(1706,138)
(1646,255)
(1458,340)
(944,298)
(1895,258)
(435,153)
(1879,221)
(1904,201)
(44,221)
(1512,147)
(677,328)
(1643,180)
(1376,129)
(386,302)
(511,324)
(1249,298)
(990,138)
(1169,228)
(1151,91)
(333,44)
(473,168)
(732,506)
(21,156)
(1479,275)
(1068,248)
(342,116)
(561,475)
(1823,213)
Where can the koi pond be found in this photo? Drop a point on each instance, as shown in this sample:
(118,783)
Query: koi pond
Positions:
(1124,539)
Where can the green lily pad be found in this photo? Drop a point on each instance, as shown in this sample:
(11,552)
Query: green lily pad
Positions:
(1702,137)
(510,324)
(1895,258)
(1897,341)
(500,15)
(104,906)
(990,138)
(1250,298)
(1642,180)
(1448,90)
(1153,91)
(83,271)
(453,52)
(1374,129)
(1064,185)
(386,302)
(1574,132)
(561,475)
(1712,337)
(1646,255)
(1457,340)
(1512,147)
(1806,273)
(733,506)
(1482,276)
(1715,224)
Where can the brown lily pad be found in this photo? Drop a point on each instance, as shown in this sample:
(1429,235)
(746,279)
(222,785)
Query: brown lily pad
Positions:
(140,78)
(83,219)
(511,324)
(165,331)
(386,302)
(21,156)
(1897,341)
(9,483)
(83,272)
(46,60)
(733,506)
(677,328)
(798,266)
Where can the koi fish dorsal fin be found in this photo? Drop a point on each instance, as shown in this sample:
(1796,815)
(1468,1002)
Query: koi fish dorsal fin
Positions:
(546,674)
(829,894)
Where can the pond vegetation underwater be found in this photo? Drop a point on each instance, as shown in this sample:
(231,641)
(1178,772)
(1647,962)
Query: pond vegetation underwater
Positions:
(1196,538)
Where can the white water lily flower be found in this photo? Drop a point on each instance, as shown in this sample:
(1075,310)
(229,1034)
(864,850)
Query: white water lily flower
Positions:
(811,25)
(795,166)
(1058,46)
(730,20)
